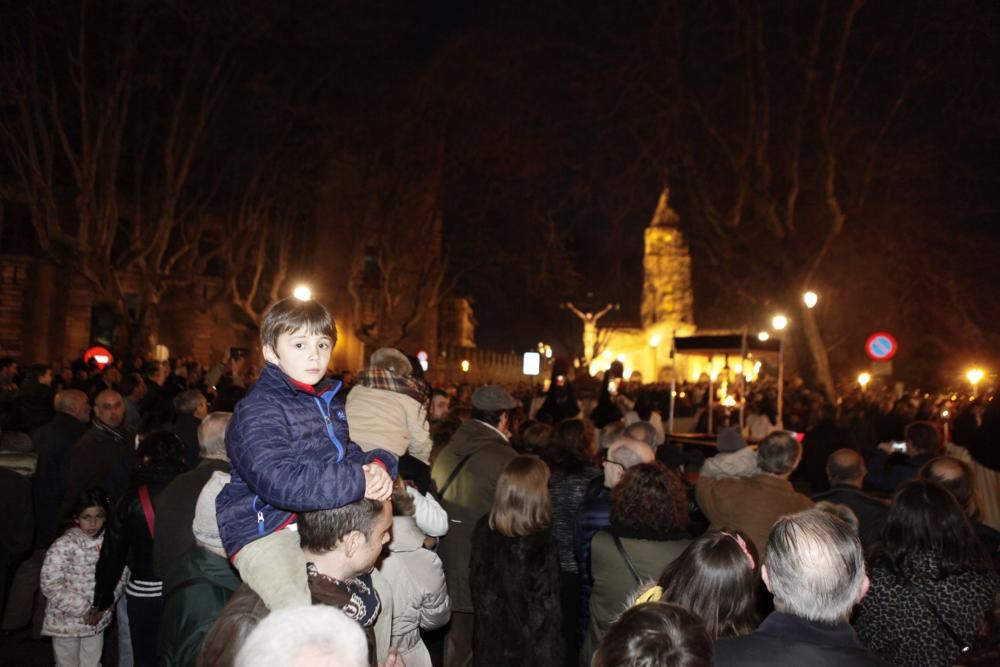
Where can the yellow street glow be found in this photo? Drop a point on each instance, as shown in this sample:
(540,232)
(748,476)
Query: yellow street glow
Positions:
(810,299)
(864,379)
(302,293)
(975,375)
(763,336)
(779,322)
(465,365)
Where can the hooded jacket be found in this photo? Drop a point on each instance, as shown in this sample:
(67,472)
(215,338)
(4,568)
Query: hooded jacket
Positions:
(290,451)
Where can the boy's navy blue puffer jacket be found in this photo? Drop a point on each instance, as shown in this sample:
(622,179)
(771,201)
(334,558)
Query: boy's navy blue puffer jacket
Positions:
(290,451)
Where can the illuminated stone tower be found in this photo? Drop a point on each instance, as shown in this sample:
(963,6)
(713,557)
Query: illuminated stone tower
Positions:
(667,296)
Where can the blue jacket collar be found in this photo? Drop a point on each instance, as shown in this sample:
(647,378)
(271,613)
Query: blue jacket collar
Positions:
(273,376)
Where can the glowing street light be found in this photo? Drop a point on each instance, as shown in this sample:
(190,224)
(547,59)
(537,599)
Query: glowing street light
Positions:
(654,341)
(302,293)
(810,299)
(779,322)
(465,365)
(763,336)
(974,376)
(864,379)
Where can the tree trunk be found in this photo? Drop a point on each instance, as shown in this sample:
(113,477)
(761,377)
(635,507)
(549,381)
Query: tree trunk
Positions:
(817,350)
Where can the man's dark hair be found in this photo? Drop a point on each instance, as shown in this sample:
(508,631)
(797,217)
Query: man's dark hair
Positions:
(779,453)
(655,633)
(36,371)
(924,436)
(491,417)
(130,382)
(322,530)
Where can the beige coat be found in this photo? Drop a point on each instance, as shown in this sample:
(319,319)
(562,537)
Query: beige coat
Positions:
(419,593)
(750,504)
(383,419)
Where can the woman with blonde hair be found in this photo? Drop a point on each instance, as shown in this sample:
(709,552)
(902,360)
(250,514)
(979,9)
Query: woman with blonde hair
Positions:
(514,574)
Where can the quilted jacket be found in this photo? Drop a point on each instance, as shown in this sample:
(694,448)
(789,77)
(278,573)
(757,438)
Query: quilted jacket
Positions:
(290,451)
(67,581)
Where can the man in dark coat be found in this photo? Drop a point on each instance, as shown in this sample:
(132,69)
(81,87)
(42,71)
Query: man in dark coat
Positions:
(846,469)
(191,407)
(887,469)
(104,455)
(819,443)
(465,475)
(175,506)
(815,567)
(54,445)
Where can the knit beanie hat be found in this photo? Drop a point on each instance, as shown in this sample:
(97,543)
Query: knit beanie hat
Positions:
(729,440)
(205,527)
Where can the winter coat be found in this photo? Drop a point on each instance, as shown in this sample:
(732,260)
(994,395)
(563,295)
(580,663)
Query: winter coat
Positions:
(515,593)
(127,540)
(870,511)
(290,451)
(741,463)
(190,608)
(383,419)
(749,504)
(593,515)
(897,624)
(783,640)
(101,458)
(67,582)
(469,497)
(245,610)
(567,488)
(419,592)
(175,514)
(614,583)
(54,444)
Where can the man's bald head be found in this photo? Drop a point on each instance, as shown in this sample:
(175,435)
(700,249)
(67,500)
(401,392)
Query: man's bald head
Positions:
(74,403)
(624,453)
(954,475)
(845,467)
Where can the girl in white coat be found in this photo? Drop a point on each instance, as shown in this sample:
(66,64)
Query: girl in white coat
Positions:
(67,581)
(419,592)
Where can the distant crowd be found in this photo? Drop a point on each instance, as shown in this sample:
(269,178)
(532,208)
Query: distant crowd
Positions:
(286,516)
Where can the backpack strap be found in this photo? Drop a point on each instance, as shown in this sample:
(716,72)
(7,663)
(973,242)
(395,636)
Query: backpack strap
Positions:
(147,509)
(454,473)
(628,561)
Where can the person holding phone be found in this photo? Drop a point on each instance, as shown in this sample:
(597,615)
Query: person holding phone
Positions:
(896,462)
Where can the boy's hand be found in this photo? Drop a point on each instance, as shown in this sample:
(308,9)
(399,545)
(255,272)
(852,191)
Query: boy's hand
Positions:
(378,484)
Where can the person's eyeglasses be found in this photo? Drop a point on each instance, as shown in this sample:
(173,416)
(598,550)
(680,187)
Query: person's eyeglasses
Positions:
(606,459)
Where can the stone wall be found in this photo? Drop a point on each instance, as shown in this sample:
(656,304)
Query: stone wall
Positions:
(667,294)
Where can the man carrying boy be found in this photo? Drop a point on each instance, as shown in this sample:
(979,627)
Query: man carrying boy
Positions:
(290,451)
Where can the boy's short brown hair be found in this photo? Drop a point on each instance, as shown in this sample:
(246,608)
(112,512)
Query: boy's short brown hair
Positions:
(291,315)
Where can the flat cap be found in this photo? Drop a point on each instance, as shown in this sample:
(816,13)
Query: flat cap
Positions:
(492,397)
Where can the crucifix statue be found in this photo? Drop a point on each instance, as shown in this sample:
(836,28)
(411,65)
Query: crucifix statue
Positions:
(589,327)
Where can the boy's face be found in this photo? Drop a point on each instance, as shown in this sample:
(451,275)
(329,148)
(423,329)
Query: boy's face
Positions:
(301,356)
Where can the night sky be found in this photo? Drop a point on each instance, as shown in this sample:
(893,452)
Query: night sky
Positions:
(552,128)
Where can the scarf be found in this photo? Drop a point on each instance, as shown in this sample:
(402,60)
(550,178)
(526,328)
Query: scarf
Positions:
(117,434)
(380,378)
(355,597)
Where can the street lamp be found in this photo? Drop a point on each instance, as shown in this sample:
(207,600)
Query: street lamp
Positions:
(864,379)
(810,299)
(974,376)
(763,336)
(779,322)
(302,293)
(465,365)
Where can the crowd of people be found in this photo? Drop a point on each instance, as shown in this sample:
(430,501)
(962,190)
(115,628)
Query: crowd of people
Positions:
(230,516)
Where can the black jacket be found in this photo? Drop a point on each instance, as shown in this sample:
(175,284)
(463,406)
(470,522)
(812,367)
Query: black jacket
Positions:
(870,511)
(515,593)
(783,639)
(127,540)
(54,444)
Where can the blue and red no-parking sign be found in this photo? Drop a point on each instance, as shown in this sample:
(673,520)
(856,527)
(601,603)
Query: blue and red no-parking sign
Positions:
(881,346)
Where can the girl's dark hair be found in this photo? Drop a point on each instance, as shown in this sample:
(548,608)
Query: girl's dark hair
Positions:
(162,450)
(650,497)
(925,519)
(655,634)
(571,444)
(94,497)
(716,581)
